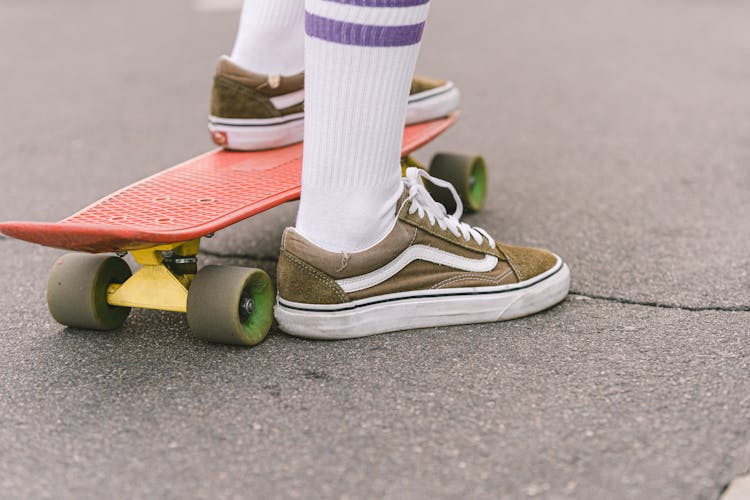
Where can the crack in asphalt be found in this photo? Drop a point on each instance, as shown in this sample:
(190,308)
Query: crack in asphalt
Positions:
(573,293)
(659,305)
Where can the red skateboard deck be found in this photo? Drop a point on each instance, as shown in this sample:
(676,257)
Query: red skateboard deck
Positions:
(190,200)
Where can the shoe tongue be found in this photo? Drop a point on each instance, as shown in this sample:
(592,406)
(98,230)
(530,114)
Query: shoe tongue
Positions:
(260,81)
(401,200)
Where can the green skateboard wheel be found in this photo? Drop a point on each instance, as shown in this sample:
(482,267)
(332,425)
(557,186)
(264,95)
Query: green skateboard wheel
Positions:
(77,291)
(468,174)
(230,305)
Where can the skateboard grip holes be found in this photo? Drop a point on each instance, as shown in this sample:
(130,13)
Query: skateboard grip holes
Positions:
(205,194)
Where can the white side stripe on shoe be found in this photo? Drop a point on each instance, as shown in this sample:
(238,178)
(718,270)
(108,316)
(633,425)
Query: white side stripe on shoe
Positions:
(288,100)
(417,252)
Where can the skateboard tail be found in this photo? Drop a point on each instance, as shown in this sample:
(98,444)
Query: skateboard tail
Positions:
(421,134)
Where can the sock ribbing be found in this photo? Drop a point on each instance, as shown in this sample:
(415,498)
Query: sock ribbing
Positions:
(360,58)
(270,38)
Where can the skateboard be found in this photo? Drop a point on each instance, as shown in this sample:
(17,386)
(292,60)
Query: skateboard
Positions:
(161,220)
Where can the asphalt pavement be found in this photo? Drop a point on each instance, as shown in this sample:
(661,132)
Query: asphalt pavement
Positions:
(617,135)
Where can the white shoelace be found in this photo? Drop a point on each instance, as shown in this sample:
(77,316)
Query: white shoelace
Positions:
(423,204)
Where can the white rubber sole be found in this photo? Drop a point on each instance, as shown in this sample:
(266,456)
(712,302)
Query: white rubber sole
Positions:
(424,309)
(432,104)
(254,135)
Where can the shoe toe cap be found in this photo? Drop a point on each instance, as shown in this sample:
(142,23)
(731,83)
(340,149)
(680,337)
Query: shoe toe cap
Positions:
(529,262)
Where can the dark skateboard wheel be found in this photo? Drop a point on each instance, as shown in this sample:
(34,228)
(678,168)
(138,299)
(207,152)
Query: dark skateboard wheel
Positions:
(468,174)
(230,305)
(77,291)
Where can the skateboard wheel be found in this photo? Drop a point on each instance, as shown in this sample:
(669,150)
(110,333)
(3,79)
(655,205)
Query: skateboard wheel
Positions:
(230,305)
(468,174)
(77,291)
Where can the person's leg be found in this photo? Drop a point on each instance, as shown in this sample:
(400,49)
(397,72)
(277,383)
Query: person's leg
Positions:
(270,39)
(360,58)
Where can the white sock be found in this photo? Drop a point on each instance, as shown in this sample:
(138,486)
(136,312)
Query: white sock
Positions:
(359,64)
(270,39)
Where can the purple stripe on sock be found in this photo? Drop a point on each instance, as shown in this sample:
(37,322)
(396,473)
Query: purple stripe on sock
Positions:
(363,35)
(381,3)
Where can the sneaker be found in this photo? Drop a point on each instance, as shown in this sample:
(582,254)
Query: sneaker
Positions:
(430,270)
(250,111)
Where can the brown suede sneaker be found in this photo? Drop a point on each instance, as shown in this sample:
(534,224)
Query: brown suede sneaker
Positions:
(250,111)
(430,270)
